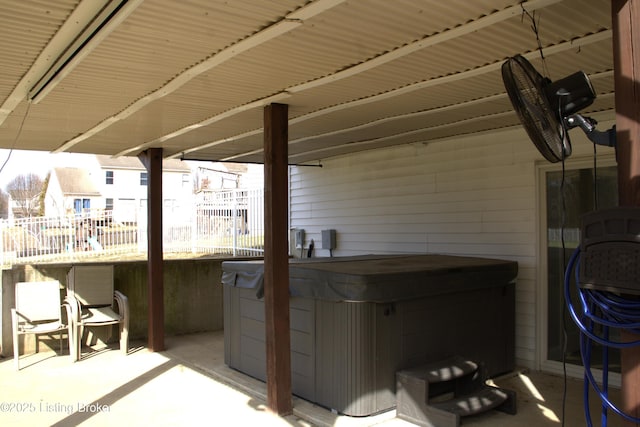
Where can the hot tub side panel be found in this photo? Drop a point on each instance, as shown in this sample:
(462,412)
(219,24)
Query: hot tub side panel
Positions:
(353,373)
(361,346)
(478,325)
(244,338)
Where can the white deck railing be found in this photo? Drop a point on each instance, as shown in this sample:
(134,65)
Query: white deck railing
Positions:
(223,222)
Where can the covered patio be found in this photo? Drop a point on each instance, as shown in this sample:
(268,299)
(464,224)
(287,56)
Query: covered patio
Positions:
(326,85)
(189,384)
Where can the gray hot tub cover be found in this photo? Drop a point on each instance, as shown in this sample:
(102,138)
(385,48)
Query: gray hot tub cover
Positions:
(377,278)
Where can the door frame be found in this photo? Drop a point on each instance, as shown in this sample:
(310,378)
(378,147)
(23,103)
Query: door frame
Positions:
(542,312)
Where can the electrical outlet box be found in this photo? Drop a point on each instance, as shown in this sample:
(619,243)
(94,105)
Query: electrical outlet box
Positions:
(299,238)
(328,239)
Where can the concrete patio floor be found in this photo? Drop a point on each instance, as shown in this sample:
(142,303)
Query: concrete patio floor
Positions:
(189,384)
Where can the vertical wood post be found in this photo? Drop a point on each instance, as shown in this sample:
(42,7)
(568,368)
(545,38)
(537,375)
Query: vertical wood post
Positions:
(152,160)
(626,52)
(276,263)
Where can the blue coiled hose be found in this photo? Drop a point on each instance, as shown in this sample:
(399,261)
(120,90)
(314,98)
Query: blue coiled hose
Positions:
(599,311)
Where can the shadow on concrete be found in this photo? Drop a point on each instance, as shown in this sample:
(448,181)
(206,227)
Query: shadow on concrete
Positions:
(109,399)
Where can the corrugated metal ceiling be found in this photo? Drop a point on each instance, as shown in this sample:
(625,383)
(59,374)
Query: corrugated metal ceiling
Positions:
(193,76)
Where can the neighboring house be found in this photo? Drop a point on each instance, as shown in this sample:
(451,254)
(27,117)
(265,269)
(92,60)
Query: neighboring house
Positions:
(123,181)
(71,191)
(223,190)
(210,176)
(118,185)
(221,176)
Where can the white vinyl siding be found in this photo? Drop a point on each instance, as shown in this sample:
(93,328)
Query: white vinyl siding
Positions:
(476,196)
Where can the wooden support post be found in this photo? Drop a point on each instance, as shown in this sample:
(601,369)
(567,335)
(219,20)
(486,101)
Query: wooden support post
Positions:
(276,263)
(152,160)
(626,51)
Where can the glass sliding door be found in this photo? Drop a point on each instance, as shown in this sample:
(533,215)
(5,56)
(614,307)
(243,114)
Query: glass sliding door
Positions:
(568,195)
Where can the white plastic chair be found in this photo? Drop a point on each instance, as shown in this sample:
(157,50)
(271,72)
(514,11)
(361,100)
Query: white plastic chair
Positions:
(94,302)
(38,311)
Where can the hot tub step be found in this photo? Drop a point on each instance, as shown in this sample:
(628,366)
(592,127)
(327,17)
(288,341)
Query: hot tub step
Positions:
(477,402)
(449,369)
(440,393)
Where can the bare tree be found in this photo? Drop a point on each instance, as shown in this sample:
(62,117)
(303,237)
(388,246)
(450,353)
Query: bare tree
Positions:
(4,204)
(25,193)
(43,193)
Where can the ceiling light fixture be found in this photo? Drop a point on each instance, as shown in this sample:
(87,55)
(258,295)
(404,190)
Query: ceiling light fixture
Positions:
(106,20)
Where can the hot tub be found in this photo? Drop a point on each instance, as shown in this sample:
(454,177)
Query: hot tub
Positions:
(355,321)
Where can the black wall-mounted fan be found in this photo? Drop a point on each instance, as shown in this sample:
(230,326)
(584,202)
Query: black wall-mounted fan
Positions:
(548,109)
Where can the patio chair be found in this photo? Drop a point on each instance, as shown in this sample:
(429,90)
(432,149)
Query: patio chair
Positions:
(94,302)
(38,310)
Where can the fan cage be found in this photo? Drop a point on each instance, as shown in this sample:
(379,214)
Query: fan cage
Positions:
(527,91)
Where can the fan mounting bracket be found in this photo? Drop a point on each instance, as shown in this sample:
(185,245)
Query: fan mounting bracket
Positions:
(588,126)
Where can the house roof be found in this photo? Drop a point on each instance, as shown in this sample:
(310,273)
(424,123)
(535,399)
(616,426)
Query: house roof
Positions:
(193,77)
(128,162)
(235,168)
(75,181)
